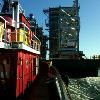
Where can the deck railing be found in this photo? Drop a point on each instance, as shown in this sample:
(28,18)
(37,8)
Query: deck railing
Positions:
(18,36)
(60,85)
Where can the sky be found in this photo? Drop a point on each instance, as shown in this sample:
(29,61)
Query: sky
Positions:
(89,36)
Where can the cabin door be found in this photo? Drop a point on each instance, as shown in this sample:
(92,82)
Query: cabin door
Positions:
(19,82)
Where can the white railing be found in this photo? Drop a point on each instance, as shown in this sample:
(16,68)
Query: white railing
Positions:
(33,43)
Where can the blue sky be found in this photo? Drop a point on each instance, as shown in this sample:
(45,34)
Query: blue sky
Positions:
(89,17)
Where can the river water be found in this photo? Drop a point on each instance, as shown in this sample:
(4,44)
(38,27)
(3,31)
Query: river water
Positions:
(85,88)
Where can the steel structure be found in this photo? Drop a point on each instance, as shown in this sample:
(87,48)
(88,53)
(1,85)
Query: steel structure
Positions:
(64,27)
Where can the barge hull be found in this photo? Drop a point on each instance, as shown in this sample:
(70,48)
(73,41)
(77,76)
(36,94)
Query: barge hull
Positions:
(76,68)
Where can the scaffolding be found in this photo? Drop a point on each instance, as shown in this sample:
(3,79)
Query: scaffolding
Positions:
(64,27)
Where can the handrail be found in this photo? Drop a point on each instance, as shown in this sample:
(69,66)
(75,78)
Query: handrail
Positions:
(4,39)
(62,90)
(4,21)
(27,28)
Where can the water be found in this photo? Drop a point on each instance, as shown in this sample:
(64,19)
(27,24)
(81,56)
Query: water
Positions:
(85,88)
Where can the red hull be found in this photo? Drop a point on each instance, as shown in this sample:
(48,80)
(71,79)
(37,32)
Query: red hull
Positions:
(22,69)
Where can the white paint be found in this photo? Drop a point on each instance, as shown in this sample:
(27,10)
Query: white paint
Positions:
(98,72)
(37,70)
(37,65)
(25,47)
(2,45)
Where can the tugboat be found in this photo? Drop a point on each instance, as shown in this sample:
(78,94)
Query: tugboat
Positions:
(19,50)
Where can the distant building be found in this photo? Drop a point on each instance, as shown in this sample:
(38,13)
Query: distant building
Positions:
(64,27)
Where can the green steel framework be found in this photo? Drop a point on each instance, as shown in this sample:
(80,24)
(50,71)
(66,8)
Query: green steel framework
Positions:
(64,27)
